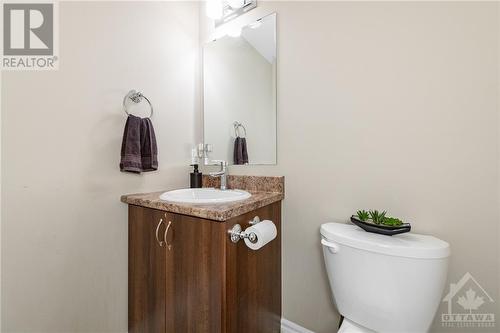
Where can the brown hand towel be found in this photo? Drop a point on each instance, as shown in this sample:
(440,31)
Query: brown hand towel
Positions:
(244,150)
(131,146)
(149,150)
(139,150)
(240,153)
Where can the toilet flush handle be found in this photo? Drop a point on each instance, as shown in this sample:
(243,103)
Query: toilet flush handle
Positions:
(333,248)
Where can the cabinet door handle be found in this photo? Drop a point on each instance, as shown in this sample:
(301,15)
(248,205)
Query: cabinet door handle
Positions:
(157,231)
(169,246)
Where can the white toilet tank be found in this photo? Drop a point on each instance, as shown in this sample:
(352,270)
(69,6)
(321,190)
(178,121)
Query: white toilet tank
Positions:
(388,284)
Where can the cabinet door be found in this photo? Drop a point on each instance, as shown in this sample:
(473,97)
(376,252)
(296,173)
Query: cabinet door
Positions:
(195,274)
(147,271)
(254,279)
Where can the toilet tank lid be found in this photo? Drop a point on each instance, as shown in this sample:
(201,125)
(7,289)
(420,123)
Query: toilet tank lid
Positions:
(407,245)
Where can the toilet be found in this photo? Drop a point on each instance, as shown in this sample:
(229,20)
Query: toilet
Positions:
(385,284)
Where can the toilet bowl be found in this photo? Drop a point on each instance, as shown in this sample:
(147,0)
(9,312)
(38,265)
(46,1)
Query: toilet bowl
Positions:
(386,284)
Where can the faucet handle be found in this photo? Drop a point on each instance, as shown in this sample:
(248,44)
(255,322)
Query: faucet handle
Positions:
(219,162)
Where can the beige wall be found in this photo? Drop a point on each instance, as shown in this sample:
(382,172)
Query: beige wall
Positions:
(391,106)
(414,83)
(498,138)
(64,232)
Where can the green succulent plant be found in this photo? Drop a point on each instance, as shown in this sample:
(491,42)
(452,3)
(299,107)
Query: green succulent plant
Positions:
(377,217)
(392,221)
(363,215)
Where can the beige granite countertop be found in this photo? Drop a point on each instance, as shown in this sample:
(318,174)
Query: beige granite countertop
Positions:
(264,190)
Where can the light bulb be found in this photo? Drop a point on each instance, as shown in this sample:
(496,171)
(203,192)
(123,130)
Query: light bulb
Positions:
(236,3)
(234,32)
(255,25)
(214,9)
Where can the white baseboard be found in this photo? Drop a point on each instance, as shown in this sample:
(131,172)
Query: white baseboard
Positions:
(289,327)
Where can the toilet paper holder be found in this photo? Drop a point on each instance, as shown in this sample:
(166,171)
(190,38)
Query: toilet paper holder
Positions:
(236,233)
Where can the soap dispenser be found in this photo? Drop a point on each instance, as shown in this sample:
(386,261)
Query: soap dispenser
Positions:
(195,177)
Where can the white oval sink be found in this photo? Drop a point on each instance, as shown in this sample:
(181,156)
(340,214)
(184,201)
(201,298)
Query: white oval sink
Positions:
(204,196)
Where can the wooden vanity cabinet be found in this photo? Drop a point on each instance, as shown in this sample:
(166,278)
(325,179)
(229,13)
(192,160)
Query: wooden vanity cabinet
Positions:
(192,278)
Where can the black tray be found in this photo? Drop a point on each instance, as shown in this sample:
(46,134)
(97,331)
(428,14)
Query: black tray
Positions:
(381,229)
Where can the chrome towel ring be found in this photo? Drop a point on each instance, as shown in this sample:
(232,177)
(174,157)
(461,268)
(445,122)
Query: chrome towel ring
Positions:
(136,97)
(237,126)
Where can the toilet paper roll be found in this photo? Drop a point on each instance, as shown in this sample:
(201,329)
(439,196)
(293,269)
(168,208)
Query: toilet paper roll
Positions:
(266,231)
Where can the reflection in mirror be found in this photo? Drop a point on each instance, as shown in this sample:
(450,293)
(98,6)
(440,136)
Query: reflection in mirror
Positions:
(239,76)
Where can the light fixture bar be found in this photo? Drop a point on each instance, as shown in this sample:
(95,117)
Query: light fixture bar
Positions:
(229,13)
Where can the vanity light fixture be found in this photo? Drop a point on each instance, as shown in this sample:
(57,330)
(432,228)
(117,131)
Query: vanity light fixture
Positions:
(255,25)
(223,11)
(234,32)
(214,9)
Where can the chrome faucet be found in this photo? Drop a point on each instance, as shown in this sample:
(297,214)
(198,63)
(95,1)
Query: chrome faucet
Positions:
(222,173)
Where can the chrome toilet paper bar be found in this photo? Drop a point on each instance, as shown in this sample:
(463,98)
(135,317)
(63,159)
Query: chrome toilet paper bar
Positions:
(236,233)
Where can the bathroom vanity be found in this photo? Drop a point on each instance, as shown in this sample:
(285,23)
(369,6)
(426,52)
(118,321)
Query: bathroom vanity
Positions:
(185,273)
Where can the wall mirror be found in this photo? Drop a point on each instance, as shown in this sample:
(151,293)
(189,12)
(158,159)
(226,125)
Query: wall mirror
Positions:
(239,79)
